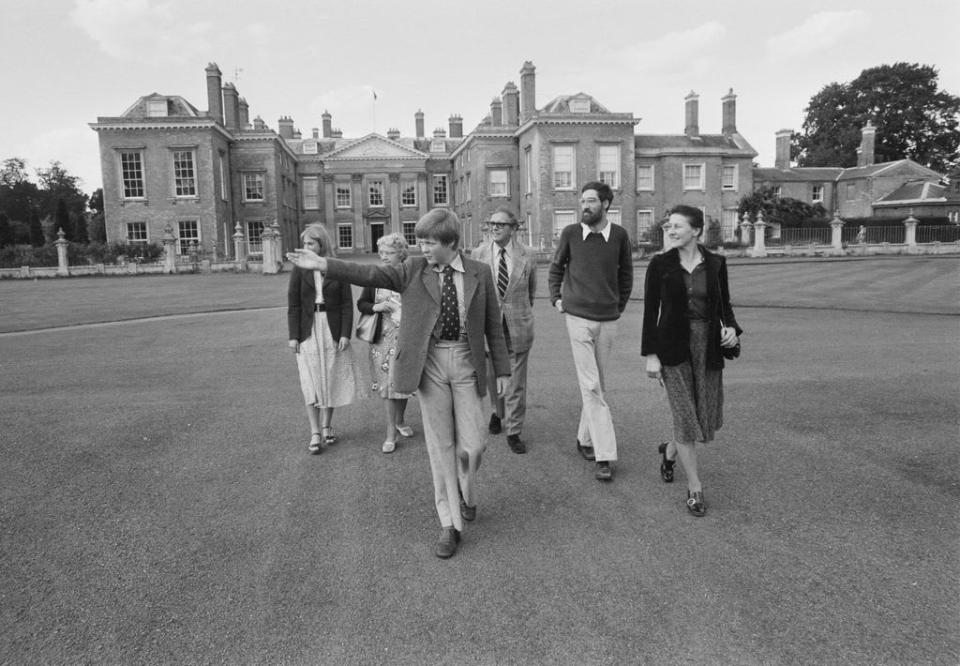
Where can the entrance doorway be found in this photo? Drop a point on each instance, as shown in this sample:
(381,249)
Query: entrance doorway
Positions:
(376,233)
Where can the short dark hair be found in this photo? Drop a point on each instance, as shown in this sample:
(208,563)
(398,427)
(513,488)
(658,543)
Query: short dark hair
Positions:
(603,191)
(694,215)
(440,224)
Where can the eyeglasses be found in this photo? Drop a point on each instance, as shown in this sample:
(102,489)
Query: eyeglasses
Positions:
(498,225)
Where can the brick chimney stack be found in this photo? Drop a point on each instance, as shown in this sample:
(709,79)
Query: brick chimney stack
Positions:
(782,158)
(729,113)
(496,112)
(244,114)
(393,134)
(285,127)
(528,90)
(231,107)
(511,104)
(327,125)
(692,102)
(456,127)
(868,139)
(214,95)
(418,121)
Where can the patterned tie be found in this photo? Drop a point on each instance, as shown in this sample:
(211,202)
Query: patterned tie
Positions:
(503,277)
(449,313)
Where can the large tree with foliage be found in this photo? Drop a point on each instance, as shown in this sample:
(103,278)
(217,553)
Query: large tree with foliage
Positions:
(784,211)
(913,117)
(97,226)
(19,197)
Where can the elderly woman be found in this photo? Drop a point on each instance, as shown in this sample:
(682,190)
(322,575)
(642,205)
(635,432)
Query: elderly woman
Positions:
(319,322)
(687,318)
(393,250)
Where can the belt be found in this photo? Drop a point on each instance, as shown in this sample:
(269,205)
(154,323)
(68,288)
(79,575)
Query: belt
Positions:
(319,307)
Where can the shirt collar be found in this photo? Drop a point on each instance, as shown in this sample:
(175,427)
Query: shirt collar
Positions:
(456,264)
(605,232)
(496,249)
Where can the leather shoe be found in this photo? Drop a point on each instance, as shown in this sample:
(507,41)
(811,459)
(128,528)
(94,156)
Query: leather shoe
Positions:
(447,544)
(696,504)
(585,451)
(495,427)
(467,512)
(516,444)
(666,465)
(604,471)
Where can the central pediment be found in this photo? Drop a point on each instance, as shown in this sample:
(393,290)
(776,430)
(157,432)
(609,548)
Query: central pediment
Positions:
(374,146)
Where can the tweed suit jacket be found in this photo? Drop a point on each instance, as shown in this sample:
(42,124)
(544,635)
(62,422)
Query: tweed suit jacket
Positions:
(419,286)
(517,303)
(301,294)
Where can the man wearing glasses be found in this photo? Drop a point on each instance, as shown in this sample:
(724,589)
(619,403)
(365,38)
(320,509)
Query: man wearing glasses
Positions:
(590,280)
(515,276)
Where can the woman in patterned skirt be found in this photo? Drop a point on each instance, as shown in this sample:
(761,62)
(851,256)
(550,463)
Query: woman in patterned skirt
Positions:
(393,250)
(319,322)
(687,318)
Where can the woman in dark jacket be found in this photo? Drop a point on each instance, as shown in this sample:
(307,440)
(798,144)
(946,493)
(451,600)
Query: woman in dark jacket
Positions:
(319,323)
(687,318)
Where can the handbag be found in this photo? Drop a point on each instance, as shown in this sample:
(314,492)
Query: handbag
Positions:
(728,353)
(368,327)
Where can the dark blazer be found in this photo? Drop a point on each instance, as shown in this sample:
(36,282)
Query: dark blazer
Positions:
(420,289)
(666,327)
(301,294)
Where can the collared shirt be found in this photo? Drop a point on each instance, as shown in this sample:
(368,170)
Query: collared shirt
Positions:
(457,265)
(696,285)
(605,232)
(318,282)
(495,259)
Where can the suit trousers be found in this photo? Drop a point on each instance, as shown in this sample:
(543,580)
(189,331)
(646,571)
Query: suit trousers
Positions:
(592,342)
(512,407)
(453,427)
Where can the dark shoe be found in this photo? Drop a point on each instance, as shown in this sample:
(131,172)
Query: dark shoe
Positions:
(516,444)
(447,545)
(696,504)
(666,465)
(468,513)
(604,471)
(495,427)
(585,451)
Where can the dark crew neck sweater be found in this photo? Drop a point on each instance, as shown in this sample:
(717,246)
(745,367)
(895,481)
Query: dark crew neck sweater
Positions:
(593,277)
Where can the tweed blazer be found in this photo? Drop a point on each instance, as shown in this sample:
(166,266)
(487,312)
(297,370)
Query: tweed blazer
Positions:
(666,326)
(301,295)
(419,287)
(517,303)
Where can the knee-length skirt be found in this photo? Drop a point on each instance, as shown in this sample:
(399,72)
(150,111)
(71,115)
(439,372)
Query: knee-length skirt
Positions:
(695,393)
(328,377)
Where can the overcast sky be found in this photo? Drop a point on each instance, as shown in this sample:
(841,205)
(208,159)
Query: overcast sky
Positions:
(66,62)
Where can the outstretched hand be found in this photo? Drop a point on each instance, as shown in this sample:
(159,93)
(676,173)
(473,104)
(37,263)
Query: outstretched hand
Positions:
(307,259)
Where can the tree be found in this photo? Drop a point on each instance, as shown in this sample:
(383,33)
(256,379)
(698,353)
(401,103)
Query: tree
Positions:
(36,230)
(97,226)
(784,211)
(6,231)
(57,184)
(18,196)
(914,119)
(61,220)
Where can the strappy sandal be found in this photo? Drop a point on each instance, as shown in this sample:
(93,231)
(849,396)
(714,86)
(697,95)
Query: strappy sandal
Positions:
(666,465)
(696,504)
(388,446)
(314,447)
(328,436)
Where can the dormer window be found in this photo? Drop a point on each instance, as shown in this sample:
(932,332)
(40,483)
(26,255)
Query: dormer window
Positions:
(309,147)
(157,108)
(438,146)
(579,105)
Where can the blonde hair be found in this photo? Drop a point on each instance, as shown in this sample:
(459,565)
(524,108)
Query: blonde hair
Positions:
(319,233)
(397,242)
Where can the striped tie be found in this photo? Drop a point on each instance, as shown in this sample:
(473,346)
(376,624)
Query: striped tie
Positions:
(502,276)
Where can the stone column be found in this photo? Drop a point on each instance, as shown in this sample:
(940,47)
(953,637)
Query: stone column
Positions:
(836,236)
(359,237)
(422,203)
(267,241)
(745,227)
(911,231)
(394,204)
(169,251)
(759,238)
(277,244)
(329,201)
(63,267)
(239,256)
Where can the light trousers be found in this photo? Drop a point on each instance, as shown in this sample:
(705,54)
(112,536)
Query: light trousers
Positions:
(512,407)
(591,343)
(453,427)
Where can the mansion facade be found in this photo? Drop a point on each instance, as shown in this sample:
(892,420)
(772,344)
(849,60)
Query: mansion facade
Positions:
(213,177)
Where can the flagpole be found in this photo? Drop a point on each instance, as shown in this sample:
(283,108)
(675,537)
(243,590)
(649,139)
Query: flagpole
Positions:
(373,111)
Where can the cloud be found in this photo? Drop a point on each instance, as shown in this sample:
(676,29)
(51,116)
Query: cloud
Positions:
(818,33)
(75,147)
(672,53)
(144,31)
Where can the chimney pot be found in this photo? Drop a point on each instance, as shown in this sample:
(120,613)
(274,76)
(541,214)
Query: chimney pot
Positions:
(782,157)
(729,113)
(418,121)
(692,102)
